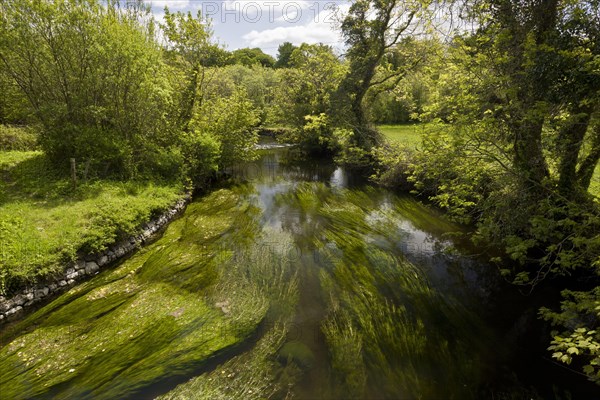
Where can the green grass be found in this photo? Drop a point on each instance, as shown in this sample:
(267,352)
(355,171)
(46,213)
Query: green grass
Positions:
(45,222)
(409,135)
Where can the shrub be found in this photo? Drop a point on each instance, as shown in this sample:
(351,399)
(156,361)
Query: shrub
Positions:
(18,138)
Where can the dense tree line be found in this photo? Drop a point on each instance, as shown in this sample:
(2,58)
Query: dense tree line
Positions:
(111,88)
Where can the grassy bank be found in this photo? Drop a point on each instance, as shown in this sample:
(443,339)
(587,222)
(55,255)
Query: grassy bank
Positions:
(45,222)
(178,308)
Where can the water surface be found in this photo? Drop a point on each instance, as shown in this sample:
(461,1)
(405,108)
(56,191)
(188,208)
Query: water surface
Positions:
(303,282)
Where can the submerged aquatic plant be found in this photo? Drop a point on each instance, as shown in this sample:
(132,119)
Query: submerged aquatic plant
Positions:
(216,301)
(255,374)
(149,319)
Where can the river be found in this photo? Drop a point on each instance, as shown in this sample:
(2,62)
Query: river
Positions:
(302,282)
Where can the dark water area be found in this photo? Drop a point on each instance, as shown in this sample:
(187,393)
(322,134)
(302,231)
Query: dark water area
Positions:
(301,281)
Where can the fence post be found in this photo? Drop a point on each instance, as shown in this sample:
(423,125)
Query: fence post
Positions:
(74,173)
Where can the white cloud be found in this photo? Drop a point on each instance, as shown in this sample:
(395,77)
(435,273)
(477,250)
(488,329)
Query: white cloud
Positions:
(311,33)
(321,29)
(172,4)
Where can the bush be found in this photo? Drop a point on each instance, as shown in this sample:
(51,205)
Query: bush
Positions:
(316,136)
(579,343)
(230,121)
(100,88)
(392,165)
(202,152)
(18,138)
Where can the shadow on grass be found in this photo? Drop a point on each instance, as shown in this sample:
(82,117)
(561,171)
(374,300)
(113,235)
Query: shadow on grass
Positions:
(36,179)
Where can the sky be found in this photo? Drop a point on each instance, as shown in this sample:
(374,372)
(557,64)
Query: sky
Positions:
(266,23)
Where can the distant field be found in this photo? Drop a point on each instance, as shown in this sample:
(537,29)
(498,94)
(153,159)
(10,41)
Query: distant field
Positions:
(406,134)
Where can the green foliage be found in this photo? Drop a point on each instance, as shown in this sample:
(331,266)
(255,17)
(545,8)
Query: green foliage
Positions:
(189,37)
(18,138)
(392,167)
(594,188)
(307,86)
(284,53)
(260,84)
(452,178)
(579,342)
(401,89)
(317,136)
(372,31)
(249,57)
(202,153)
(352,156)
(14,106)
(190,52)
(230,121)
(92,74)
(521,96)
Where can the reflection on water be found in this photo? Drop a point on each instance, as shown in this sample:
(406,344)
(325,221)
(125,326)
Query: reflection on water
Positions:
(303,282)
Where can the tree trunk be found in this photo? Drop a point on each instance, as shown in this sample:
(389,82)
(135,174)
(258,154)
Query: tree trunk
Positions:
(570,140)
(587,167)
(529,157)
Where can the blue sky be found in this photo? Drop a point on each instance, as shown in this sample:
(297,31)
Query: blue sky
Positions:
(266,23)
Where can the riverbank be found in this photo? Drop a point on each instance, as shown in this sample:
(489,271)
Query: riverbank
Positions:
(14,306)
(410,135)
(47,225)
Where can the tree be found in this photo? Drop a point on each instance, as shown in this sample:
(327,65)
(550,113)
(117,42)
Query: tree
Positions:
(260,84)
(284,52)
(521,92)
(190,50)
(230,120)
(251,57)
(313,75)
(14,106)
(371,30)
(401,87)
(92,74)
(546,53)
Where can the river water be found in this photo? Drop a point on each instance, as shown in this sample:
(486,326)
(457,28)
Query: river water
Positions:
(301,282)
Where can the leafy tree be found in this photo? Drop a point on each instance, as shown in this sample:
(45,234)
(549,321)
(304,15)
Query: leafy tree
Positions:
(229,121)
(371,30)
(284,52)
(190,50)
(14,106)
(521,93)
(304,96)
(307,86)
(402,87)
(92,74)
(545,55)
(251,57)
